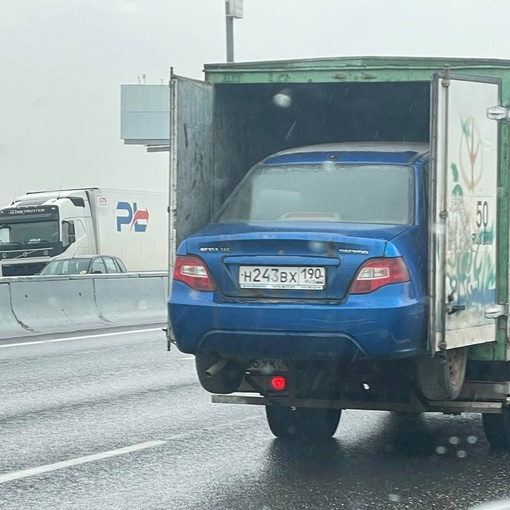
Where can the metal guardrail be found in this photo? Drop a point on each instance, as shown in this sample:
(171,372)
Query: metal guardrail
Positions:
(50,304)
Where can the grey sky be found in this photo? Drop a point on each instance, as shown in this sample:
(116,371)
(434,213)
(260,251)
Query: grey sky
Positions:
(62,63)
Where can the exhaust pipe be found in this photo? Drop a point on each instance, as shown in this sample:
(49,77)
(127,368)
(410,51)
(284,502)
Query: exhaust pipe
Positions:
(216,368)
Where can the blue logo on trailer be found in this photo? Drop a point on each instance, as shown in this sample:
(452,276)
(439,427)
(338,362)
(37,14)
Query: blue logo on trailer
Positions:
(133,217)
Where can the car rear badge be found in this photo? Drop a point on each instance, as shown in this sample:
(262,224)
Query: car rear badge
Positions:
(214,250)
(353,252)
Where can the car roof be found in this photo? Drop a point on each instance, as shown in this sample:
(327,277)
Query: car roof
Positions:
(389,152)
(87,257)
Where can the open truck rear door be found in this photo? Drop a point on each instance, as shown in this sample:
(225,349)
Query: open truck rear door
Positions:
(463,218)
(191,160)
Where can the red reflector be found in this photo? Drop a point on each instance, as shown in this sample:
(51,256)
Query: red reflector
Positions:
(278,383)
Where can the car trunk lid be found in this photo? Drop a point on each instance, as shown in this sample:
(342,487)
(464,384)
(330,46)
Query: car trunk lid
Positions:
(304,261)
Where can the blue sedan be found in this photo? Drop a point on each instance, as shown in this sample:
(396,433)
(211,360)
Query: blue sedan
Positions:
(320,253)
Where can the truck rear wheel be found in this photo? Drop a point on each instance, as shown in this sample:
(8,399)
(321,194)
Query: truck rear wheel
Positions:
(497,429)
(225,377)
(307,423)
(441,378)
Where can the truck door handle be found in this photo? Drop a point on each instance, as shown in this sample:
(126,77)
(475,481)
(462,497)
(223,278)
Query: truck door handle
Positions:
(451,309)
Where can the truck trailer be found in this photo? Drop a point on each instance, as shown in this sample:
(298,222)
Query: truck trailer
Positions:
(42,226)
(260,338)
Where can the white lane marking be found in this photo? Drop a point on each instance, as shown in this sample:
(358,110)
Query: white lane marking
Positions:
(189,358)
(70,338)
(16,475)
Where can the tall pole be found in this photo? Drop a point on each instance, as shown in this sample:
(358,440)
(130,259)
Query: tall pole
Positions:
(233,9)
(230,38)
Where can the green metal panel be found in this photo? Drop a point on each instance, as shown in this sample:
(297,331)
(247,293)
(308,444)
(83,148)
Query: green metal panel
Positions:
(350,69)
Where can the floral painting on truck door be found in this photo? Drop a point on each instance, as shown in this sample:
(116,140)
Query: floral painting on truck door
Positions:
(470,263)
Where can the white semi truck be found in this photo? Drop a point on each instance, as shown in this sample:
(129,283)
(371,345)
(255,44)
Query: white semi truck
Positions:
(41,226)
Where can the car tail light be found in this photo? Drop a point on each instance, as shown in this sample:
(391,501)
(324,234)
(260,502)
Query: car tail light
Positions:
(377,273)
(193,272)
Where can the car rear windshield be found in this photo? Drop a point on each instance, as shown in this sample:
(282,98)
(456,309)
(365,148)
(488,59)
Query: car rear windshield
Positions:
(67,266)
(376,194)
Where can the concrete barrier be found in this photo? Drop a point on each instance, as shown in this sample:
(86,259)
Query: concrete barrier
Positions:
(9,326)
(47,304)
(126,300)
(55,304)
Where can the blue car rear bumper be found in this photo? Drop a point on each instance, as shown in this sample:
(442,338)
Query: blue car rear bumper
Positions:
(388,323)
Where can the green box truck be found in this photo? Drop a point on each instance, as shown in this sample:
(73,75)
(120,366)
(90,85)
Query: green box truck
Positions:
(459,108)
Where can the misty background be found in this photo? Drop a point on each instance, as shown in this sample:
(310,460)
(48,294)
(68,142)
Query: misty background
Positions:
(62,63)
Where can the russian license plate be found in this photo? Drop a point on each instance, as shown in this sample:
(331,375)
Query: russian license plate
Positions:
(279,277)
(268,365)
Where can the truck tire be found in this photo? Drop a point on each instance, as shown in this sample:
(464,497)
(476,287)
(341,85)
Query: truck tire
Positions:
(497,429)
(441,378)
(303,423)
(226,380)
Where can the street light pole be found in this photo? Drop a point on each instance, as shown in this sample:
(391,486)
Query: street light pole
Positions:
(230,38)
(233,9)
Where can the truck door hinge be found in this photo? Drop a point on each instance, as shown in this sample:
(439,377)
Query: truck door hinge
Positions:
(498,112)
(495,311)
(445,82)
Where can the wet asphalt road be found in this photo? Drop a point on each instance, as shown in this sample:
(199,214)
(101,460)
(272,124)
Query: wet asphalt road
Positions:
(116,422)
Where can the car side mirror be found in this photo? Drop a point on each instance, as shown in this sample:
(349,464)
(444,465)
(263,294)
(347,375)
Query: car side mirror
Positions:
(68,233)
